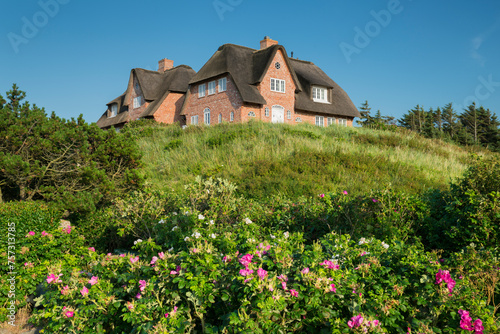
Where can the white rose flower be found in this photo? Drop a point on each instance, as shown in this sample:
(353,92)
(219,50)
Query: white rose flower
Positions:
(247,221)
(386,246)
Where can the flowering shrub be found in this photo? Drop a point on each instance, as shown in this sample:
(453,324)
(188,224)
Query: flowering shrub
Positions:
(249,280)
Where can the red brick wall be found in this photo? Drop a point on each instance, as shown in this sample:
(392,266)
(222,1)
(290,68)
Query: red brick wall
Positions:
(311,118)
(219,103)
(169,110)
(287,99)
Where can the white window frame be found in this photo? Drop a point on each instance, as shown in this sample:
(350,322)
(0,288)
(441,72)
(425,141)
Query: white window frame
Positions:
(298,120)
(288,114)
(278,85)
(114,110)
(201,90)
(320,121)
(231,116)
(194,120)
(220,118)
(330,121)
(222,85)
(266,112)
(206,116)
(320,94)
(343,121)
(137,102)
(211,88)
(251,114)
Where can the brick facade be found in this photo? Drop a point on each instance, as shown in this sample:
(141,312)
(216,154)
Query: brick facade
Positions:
(169,110)
(219,103)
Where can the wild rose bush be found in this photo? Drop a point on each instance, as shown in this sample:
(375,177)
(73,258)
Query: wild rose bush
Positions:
(240,277)
(37,254)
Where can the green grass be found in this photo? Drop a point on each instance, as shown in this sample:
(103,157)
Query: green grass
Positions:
(265,159)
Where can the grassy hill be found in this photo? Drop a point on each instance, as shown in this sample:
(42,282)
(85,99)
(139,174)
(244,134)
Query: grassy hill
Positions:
(264,159)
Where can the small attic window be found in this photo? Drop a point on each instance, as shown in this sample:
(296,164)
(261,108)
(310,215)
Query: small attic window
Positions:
(320,94)
(114,110)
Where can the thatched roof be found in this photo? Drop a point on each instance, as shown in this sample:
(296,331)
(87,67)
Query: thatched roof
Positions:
(155,88)
(311,75)
(248,67)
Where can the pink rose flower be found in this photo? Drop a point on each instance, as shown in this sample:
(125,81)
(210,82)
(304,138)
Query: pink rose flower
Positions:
(84,291)
(93,280)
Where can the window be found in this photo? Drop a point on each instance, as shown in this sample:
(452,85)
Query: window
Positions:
(298,120)
(211,88)
(137,102)
(330,121)
(201,90)
(288,114)
(320,121)
(222,85)
(194,120)
(320,94)
(114,110)
(206,114)
(220,118)
(231,116)
(266,112)
(278,85)
(251,114)
(343,121)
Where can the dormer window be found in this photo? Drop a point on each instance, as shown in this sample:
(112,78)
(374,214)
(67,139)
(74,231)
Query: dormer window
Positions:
(114,110)
(320,94)
(137,102)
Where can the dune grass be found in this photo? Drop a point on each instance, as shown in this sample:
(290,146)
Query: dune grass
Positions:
(266,159)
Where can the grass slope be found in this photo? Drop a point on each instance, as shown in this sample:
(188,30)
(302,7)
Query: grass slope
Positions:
(266,159)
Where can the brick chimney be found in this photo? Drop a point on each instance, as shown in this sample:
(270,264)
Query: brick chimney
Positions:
(165,64)
(267,42)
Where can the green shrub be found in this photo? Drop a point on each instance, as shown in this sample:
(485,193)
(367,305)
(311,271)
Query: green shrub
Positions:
(35,256)
(27,216)
(470,211)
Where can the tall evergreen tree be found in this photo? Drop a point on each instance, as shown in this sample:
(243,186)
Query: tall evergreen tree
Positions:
(450,122)
(366,119)
(470,119)
(414,120)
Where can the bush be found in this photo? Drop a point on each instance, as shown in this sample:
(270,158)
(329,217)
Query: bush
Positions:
(59,251)
(470,211)
(247,281)
(27,216)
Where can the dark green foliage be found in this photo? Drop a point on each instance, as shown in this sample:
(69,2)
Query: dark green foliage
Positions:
(469,212)
(475,126)
(70,162)
(172,145)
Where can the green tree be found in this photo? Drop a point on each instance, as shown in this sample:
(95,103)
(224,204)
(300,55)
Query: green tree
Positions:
(414,120)
(450,122)
(366,120)
(470,120)
(67,161)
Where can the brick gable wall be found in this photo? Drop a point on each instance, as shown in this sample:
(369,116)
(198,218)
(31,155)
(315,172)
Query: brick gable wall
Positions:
(169,110)
(219,103)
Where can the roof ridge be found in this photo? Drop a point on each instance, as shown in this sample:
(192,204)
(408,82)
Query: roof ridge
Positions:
(302,61)
(236,45)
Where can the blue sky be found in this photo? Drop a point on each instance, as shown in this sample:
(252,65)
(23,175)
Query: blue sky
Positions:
(74,56)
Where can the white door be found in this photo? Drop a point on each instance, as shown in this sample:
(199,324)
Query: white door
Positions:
(278,114)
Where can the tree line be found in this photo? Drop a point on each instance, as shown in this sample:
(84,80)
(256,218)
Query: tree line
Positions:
(473,126)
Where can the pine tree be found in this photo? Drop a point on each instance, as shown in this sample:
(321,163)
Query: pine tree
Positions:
(366,119)
(450,121)
(414,120)
(470,120)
